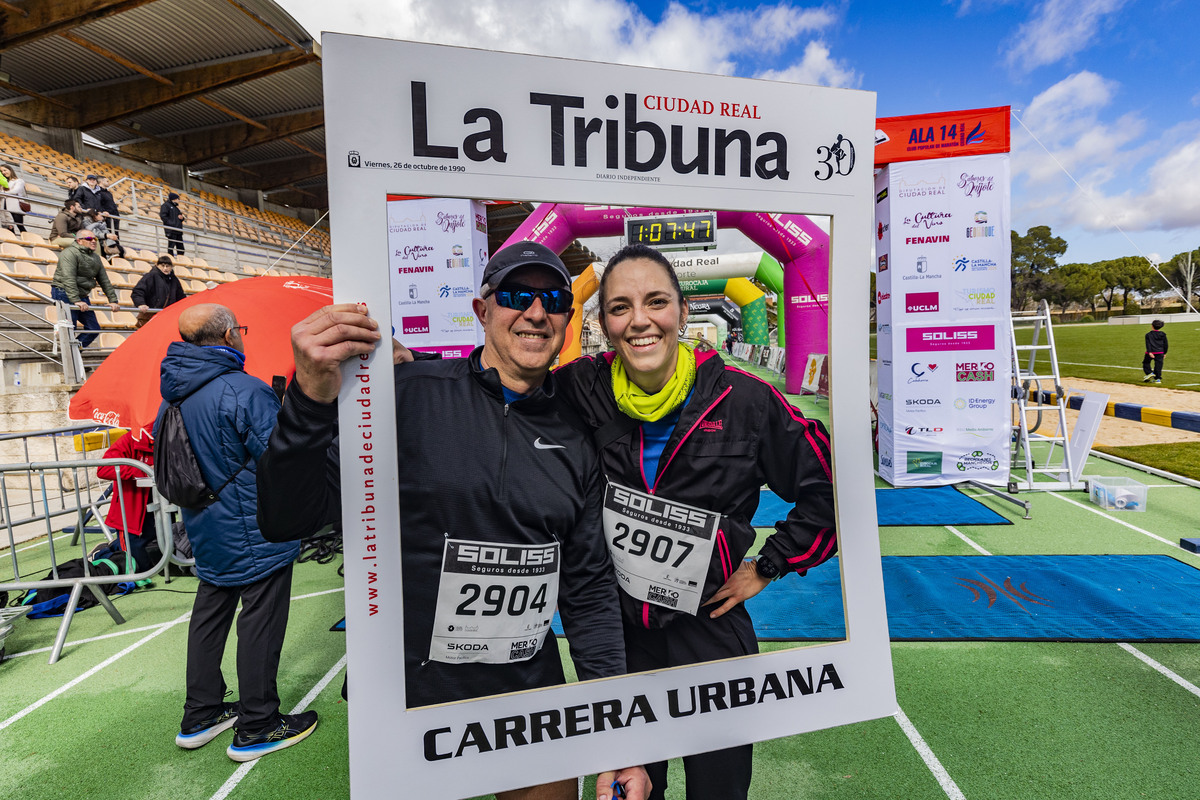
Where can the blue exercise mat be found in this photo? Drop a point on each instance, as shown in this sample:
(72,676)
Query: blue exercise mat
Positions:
(1006,598)
(935,505)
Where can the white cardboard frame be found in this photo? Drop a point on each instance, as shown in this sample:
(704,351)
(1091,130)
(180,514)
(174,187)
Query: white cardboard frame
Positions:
(369,110)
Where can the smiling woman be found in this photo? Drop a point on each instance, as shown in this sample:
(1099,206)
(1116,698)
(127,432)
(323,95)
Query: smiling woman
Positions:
(699,438)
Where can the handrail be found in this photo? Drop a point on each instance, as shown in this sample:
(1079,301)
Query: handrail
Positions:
(319,256)
(285,252)
(209,207)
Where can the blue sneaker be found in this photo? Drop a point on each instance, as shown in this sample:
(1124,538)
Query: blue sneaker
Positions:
(292,728)
(203,733)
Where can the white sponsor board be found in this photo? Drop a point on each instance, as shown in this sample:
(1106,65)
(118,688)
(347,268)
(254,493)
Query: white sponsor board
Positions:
(943,228)
(436,121)
(436,252)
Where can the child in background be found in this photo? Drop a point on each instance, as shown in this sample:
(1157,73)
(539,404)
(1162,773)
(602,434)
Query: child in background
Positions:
(1156,349)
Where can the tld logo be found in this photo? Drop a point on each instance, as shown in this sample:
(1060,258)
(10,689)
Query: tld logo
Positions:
(914,430)
(920,302)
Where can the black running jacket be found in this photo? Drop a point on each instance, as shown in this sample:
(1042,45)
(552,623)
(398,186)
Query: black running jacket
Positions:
(474,467)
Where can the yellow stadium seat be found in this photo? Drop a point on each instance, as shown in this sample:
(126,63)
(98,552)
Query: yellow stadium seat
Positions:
(43,254)
(31,238)
(15,252)
(13,292)
(8,236)
(28,269)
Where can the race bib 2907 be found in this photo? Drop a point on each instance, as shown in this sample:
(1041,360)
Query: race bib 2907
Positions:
(660,549)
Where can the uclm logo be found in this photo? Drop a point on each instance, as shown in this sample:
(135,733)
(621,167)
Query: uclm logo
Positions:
(414,325)
(920,302)
(951,337)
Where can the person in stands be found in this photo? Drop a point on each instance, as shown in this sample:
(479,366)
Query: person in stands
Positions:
(66,223)
(157,289)
(14,201)
(172,220)
(80,269)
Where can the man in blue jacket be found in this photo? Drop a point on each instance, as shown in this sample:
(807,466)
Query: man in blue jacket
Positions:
(229,416)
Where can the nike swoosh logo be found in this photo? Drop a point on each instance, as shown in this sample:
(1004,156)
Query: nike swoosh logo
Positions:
(540,445)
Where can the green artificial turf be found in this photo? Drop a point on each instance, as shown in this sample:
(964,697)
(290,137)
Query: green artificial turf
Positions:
(1114,352)
(1180,458)
(1102,352)
(1042,721)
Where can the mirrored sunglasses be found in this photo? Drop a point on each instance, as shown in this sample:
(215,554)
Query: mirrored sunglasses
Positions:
(520,298)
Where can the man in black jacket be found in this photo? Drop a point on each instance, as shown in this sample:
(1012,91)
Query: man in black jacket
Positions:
(89,193)
(158,288)
(72,188)
(489,459)
(172,220)
(108,206)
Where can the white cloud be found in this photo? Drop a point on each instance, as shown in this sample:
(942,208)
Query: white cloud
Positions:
(594,30)
(817,68)
(1059,30)
(1130,177)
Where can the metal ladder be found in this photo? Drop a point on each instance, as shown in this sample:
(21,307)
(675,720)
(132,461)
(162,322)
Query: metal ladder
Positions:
(1029,397)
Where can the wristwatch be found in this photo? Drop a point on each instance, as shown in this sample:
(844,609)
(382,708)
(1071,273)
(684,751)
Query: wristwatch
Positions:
(766,568)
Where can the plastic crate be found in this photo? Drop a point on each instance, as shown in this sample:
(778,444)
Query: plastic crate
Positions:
(1118,494)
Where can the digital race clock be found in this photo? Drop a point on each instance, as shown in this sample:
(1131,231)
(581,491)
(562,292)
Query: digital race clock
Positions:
(695,231)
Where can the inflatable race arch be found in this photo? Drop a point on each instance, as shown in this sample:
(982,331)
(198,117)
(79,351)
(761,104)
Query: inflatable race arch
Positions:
(799,248)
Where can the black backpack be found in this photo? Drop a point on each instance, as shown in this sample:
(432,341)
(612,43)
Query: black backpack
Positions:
(176,471)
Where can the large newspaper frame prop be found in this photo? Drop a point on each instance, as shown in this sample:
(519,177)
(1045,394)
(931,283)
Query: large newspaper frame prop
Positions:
(386,103)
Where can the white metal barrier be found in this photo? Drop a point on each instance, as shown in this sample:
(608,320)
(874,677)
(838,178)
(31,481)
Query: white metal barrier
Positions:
(34,495)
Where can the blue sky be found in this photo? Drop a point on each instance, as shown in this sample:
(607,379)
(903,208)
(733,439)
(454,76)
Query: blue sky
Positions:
(1110,88)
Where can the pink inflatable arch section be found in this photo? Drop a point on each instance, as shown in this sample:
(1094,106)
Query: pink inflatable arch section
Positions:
(792,239)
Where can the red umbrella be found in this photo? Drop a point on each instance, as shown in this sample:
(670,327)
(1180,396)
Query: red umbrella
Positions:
(123,391)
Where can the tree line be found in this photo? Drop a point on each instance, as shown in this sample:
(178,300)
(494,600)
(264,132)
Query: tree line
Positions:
(1037,275)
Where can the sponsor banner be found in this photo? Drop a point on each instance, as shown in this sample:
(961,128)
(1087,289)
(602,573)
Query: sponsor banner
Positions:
(436,253)
(946,225)
(816,375)
(950,337)
(950,133)
(923,462)
(921,302)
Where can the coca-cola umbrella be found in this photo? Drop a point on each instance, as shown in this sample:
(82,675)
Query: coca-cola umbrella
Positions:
(123,391)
